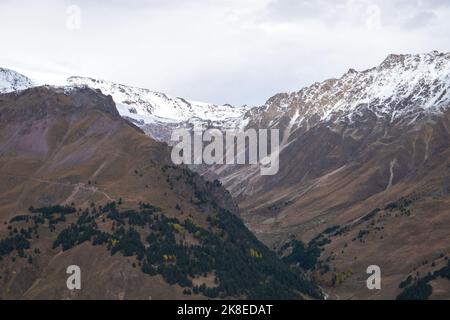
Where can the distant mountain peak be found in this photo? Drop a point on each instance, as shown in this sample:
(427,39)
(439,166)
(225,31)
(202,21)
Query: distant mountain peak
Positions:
(401,85)
(13,81)
(38,102)
(148,107)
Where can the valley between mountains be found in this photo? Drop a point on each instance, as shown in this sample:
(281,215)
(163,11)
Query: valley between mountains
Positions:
(364,180)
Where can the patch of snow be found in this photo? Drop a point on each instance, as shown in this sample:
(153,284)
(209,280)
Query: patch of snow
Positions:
(148,107)
(13,81)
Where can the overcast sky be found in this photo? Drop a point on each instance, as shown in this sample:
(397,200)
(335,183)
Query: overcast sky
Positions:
(228,51)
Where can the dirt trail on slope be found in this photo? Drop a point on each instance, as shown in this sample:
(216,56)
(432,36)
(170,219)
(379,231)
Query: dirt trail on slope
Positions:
(77,186)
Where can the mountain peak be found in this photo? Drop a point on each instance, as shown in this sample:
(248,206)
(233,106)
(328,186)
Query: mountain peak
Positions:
(38,102)
(13,81)
(150,107)
(402,86)
(431,57)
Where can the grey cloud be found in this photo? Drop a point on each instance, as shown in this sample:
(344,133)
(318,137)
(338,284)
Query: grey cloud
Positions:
(400,13)
(293,10)
(421,19)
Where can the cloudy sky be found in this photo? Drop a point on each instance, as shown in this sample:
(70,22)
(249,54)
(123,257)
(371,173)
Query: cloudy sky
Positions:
(227,51)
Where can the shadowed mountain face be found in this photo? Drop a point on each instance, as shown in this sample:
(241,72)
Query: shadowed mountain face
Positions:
(82,186)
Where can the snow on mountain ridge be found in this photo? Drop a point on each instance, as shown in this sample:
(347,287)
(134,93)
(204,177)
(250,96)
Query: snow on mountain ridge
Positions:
(13,81)
(400,85)
(146,106)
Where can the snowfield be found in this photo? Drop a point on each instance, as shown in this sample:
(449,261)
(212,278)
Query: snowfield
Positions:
(13,81)
(148,107)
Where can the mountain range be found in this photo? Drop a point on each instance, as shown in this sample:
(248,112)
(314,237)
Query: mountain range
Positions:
(364,170)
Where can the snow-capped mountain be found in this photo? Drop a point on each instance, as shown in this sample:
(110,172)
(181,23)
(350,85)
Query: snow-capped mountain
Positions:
(366,154)
(400,87)
(150,107)
(155,112)
(403,87)
(403,93)
(13,81)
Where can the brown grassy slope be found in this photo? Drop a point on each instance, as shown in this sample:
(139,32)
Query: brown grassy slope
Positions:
(77,155)
(333,175)
(61,147)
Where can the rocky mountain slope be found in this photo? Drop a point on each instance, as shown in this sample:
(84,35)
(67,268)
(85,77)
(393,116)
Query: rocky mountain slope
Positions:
(82,186)
(401,91)
(401,86)
(364,168)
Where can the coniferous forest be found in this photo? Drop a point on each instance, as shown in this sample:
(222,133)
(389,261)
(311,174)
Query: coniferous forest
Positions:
(178,250)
